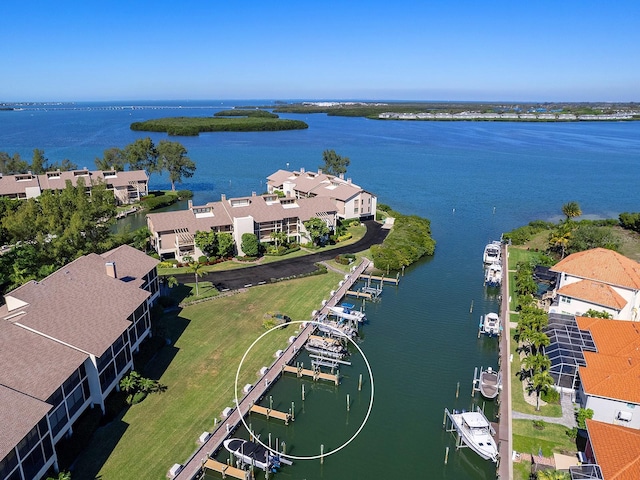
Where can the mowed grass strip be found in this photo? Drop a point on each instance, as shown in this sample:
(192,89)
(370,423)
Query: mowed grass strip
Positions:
(199,368)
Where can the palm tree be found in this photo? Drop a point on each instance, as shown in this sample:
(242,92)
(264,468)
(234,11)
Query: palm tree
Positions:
(197,269)
(553,475)
(540,382)
(571,210)
(130,384)
(534,364)
(560,238)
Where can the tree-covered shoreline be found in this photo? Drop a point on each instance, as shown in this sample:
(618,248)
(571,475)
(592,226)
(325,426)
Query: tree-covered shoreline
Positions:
(226,121)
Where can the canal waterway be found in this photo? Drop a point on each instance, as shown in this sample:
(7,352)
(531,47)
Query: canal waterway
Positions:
(473,180)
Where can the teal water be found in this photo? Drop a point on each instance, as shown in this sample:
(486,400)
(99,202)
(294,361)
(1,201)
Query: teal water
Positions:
(473,180)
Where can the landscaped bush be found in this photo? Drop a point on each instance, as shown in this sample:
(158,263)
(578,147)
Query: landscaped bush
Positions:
(203,259)
(345,259)
(344,237)
(152,203)
(409,240)
(182,194)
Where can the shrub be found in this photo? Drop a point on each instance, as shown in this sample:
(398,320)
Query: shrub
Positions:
(344,237)
(250,245)
(182,194)
(538,424)
(203,259)
(551,396)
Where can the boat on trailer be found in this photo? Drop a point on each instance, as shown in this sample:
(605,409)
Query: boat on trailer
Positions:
(490,324)
(475,431)
(492,252)
(493,275)
(490,383)
(252,453)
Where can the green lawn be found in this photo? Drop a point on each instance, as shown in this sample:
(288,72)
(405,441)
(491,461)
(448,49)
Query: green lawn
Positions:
(552,438)
(518,402)
(199,368)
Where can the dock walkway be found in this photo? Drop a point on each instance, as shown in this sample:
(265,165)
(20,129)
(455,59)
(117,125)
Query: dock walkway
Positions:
(504,439)
(270,413)
(194,465)
(225,469)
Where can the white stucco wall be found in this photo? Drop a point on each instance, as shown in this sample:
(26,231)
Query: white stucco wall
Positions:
(242,225)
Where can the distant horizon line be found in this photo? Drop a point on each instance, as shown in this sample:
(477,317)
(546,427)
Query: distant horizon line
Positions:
(298,100)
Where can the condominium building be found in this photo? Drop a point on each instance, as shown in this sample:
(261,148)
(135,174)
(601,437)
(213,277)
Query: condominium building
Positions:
(65,343)
(173,233)
(127,186)
(351,200)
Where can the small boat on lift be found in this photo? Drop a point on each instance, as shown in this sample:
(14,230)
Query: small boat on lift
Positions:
(252,453)
(490,383)
(490,325)
(493,275)
(492,252)
(326,348)
(348,312)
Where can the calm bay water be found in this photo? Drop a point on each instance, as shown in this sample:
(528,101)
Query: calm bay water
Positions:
(473,181)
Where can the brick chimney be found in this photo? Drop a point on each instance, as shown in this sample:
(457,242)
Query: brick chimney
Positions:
(190,204)
(111,269)
(223,197)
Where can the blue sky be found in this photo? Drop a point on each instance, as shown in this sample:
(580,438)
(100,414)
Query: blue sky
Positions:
(515,50)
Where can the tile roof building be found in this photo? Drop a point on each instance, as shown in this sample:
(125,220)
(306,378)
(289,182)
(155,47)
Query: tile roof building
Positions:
(610,381)
(597,279)
(65,342)
(173,233)
(351,200)
(127,186)
(615,448)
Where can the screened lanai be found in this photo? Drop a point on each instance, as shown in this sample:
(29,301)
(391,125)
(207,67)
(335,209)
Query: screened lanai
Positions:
(566,347)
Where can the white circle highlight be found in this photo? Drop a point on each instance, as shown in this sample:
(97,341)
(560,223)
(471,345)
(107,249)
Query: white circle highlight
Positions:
(300,457)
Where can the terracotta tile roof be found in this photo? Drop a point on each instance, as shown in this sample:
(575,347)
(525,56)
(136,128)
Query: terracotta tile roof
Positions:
(79,304)
(26,361)
(602,265)
(19,413)
(614,370)
(594,292)
(617,450)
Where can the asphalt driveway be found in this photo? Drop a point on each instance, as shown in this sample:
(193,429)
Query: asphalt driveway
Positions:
(257,274)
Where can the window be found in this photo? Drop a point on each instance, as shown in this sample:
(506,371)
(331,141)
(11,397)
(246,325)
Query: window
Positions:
(75,401)
(56,397)
(58,418)
(8,463)
(72,382)
(107,376)
(28,442)
(565,299)
(104,359)
(33,463)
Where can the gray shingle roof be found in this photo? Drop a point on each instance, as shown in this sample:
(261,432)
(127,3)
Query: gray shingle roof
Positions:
(19,413)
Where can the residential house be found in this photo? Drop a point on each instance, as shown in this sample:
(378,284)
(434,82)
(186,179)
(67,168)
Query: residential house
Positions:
(173,233)
(597,279)
(351,200)
(610,381)
(65,343)
(612,453)
(127,186)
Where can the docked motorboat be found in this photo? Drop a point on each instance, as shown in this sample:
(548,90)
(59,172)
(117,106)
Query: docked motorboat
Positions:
(490,383)
(490,324)
(326,348)
(346,312)
(252,453)
(476,432)
(492,252)
(493,275)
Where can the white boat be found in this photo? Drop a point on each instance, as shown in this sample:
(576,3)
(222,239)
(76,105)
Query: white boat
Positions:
(493,275)
(252,453)
(490,324)
(476,432)
(490,383)
(492,252)
(326,348)
(347,313)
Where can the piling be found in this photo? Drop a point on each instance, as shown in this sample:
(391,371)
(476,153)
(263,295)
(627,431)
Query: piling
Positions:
(360,383)
(293,411)
(458,390)
(471,307)
(473,385)
(270,402)
(446,455)
(269,440)
(303,392)
(284,448)
(348,402)
(321,454)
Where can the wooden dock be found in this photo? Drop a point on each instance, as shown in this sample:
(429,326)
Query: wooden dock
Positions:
(225,469)
(270,413)
(193,466)
(382,279)
(315,374)
(357,294)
